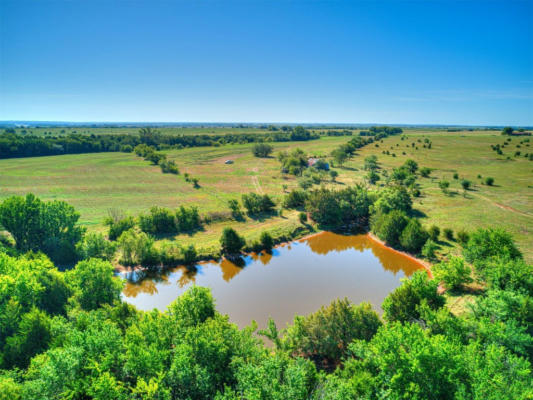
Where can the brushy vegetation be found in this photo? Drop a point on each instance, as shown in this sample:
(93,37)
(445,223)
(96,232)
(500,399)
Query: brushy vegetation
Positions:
(69,335)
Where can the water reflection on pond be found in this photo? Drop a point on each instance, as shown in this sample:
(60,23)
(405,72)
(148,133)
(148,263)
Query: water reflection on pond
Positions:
(297,278)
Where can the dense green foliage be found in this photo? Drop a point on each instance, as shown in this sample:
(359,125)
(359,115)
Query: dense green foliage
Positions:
(50,227)
(69,336)
(256,204)
(262,150)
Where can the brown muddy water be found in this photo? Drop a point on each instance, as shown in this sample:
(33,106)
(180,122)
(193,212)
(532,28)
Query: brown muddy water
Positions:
(297,278)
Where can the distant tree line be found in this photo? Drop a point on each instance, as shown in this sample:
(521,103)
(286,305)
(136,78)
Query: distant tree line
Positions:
(14,145)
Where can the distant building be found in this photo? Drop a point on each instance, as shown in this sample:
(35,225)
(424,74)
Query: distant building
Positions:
(318,163)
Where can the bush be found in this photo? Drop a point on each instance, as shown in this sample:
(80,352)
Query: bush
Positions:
(448,233)
(302,217)
(444,185)
(187,219)
(266,241)
(454,273)
(169,167)
(95,245)
(137,248)
(389,227)
(262,150)
(231,242)
(465,183)
(403,303)
(413,236)
(489,181)
(189,254)
(159,220)
(434,232)
(425,172)
(393,198)
(118,224)
(486,243)
(462,236)
(429,249)
(295,199)
(235,209)
(333,174)
(256,204)
(324,336)
(455,175)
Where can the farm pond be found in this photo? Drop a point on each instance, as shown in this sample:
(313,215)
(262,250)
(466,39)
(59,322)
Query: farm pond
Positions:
(297,278)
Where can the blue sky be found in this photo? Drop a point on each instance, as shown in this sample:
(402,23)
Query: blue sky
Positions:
(425,62)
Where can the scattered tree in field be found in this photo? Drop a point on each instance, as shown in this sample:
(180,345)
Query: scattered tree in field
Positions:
(434,232)
(507,130)
(339,157)
(429,249)
(372,177)
(256,204)
(448,233)
(235,209)
(230,241)
(411,166)
(462,236)
(262,150)
(465,183)
(489,181)
(444,185)
(455,175)
(425,172)
(333,174)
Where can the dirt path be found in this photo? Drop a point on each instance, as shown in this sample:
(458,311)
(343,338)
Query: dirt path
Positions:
(502,206)
(255,182)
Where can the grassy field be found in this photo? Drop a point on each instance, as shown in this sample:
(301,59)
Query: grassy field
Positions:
(94,183)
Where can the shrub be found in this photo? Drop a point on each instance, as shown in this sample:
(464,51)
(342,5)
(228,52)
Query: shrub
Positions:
(235,209)
(324,336)
(429,249)
(455,175)
(169,167)
(448,233)
(333,174)
(189,254)
(159,220)
(266,241)
(411,166)
(389,227)
(187,219)
(489,181)
(256,204)
(462,236)
(486,243)
(425,171)
(95,245)
(231,242)
(295,199)
(393,198)
(444,185)
(118,224)
(413,236)
(302,217)
(262,150)
(454,273)
(434,232)
(137,248)
(505,274)
(403,303)
(372,177)
(465,183)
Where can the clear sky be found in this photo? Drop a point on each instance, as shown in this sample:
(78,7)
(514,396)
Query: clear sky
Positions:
(441,62)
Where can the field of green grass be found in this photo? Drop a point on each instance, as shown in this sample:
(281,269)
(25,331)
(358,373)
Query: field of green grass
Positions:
(95,183)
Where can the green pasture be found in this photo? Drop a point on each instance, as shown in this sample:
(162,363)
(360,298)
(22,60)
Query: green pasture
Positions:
(95,183)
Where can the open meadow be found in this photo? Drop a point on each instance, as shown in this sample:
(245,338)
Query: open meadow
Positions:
(95,183)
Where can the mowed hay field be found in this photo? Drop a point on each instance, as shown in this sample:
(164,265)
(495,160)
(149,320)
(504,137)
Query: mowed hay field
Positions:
(94,183)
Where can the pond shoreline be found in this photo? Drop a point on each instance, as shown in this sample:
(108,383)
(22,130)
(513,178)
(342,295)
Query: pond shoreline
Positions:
(424,264)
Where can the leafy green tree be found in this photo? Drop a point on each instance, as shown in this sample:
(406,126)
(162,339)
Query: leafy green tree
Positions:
(434,232)
(402,304)
(425,171)
(235,209)
(262,150)
(137,248)
(95,245)
(231,242)
(339,157)
(324,336)
(489,181)
(411,165)
(372,177)
(393,198)
(413,236)
(454,273)
(94,284)
(267,242)
(295,199)
(50,227)
(389,227)
(189,254)
(444,185)
(486,243)
(429,249)
(507,130)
